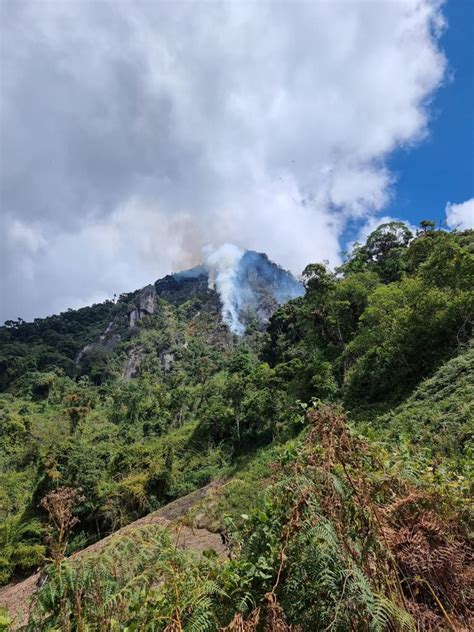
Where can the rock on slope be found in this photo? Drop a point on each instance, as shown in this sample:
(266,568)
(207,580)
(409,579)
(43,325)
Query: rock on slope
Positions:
(235,292)
(249,287)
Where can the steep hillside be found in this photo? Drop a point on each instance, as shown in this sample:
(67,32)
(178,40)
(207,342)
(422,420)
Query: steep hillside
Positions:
(214,299)
(234,372)
(18,597)
(440,412)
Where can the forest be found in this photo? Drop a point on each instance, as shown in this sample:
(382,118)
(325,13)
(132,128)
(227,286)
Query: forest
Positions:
(336,444)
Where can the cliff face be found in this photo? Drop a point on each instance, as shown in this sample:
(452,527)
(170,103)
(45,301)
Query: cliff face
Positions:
(248,292)
(145,304)
(263,287)
(215,300)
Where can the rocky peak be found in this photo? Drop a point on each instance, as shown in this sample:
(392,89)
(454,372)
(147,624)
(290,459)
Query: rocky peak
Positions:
(179,287)
(262,286)
(145,304)
(246,287)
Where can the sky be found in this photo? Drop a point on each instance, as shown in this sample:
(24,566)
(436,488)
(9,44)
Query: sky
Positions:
(441,169)
(137,136)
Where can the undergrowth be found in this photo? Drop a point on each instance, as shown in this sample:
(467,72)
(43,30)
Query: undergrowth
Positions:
(348,536)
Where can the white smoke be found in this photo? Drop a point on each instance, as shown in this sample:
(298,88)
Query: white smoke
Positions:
(222,265)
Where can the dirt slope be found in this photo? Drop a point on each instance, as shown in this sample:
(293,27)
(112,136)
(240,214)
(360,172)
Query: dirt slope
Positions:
(16,597)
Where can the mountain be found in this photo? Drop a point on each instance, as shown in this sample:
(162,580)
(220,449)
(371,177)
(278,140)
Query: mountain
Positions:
(250,289)
(320,446)
(228,294)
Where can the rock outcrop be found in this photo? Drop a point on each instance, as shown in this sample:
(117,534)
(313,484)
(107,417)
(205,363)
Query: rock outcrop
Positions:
(259,287)
(132,366)
(262,287)
(107,341)
(145,305)
(255,290)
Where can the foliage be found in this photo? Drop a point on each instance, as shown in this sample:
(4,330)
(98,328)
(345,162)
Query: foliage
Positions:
(5,620)
(438,415)
(51,343)
(384,251)
(20,546)
(140,582)
(394,338)
(129,419)
(327,544)
(380,334)
(348,535)
(59,505)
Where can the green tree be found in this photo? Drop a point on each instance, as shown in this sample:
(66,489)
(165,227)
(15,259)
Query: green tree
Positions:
(382,252)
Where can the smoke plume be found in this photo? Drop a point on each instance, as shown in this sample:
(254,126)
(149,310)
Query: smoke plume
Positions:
(222,266)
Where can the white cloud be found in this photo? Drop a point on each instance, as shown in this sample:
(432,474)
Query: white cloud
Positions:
(29,237)
(137,133)
(460,216)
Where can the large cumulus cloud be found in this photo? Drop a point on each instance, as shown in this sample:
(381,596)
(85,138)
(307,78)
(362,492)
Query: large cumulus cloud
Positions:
(134,134)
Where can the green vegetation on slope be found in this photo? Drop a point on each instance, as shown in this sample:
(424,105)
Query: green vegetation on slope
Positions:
(316,513)
(438,415)
(346,535)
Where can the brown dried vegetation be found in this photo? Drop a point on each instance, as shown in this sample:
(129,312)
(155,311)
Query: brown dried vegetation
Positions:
(426,541)
(411,543)
(59,504)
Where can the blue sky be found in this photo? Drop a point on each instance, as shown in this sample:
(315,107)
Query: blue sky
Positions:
(441,168)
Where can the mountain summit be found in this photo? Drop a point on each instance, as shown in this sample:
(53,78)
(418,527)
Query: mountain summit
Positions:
(230,292)
(249,285)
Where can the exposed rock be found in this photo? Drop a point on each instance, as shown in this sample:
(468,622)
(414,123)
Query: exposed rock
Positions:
(132,366)
(167,360)
(83,352)
(259,287)
(145,304)
(108,341)
(16,597)
(262,287)
(134,316)
(107,331)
